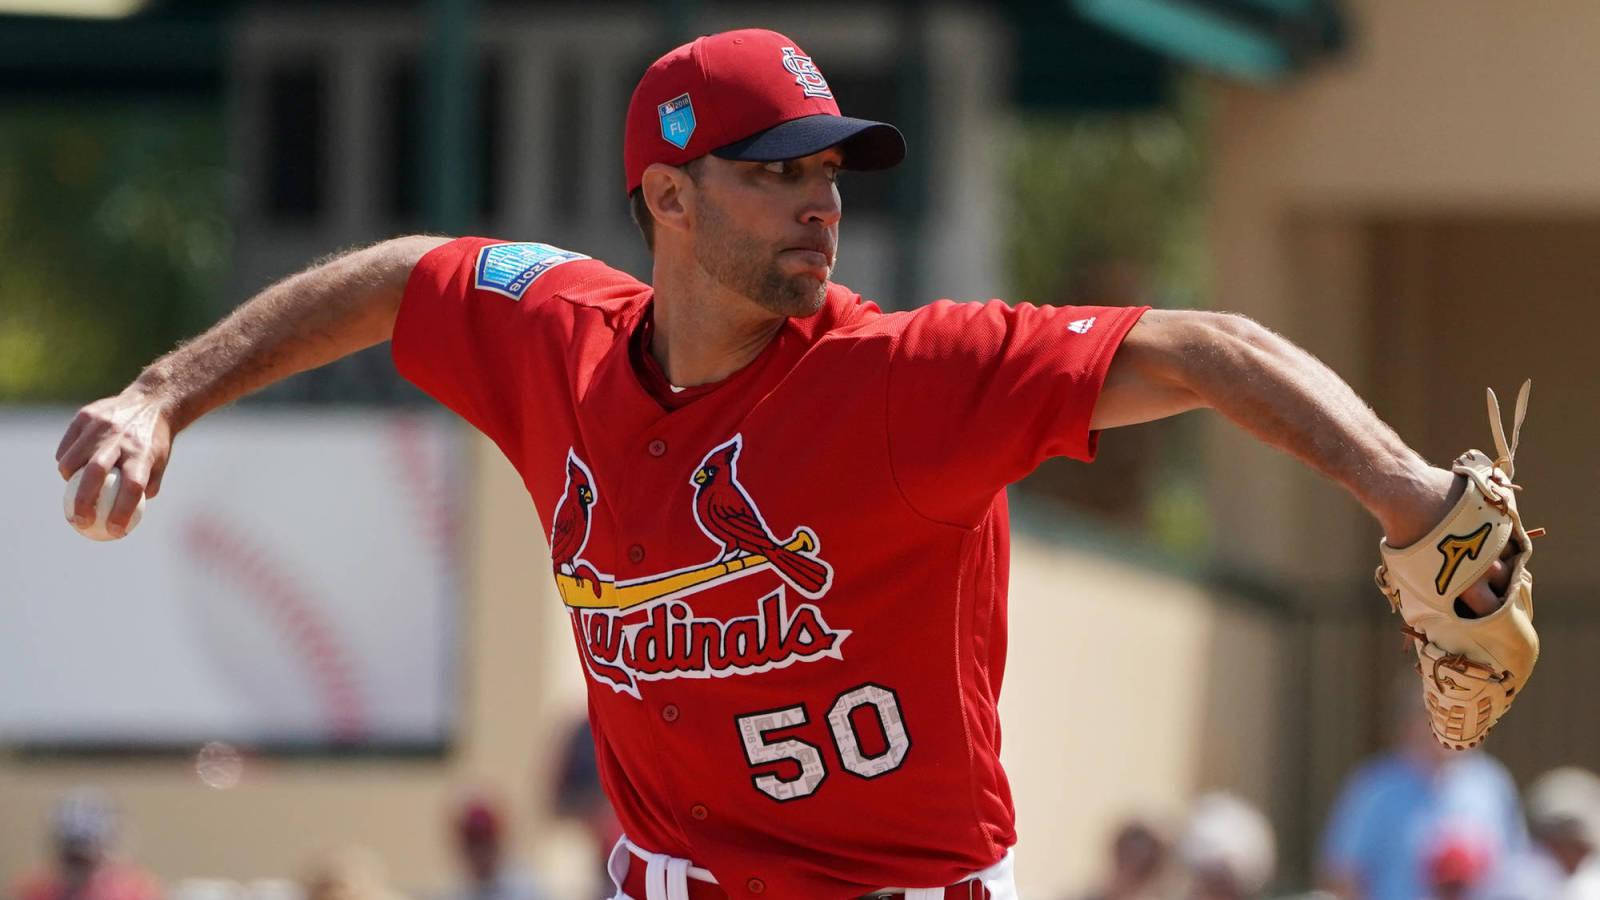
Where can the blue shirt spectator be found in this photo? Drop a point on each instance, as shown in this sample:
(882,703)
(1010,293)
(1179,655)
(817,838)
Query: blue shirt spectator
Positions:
(1396,809)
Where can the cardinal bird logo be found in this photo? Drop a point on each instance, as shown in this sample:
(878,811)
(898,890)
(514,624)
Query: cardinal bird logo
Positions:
(728,516)
(570,531)
(644,628)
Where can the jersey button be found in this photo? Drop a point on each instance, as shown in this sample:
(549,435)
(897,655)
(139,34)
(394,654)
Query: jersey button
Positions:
(699,811)
(669,713)
(755,885)
(657,447)
(636,554)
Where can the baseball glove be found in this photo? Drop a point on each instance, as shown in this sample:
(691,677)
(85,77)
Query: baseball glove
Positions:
(1471,668)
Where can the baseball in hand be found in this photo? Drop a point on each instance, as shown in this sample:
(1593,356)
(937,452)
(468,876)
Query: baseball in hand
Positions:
(96,530)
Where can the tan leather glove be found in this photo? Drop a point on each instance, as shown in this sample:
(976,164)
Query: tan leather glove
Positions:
(1471,668)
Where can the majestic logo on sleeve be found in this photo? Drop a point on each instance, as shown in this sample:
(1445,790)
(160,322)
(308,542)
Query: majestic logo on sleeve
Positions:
(643,629)
(811,82)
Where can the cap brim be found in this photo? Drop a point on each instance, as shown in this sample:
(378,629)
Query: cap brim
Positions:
(867,145)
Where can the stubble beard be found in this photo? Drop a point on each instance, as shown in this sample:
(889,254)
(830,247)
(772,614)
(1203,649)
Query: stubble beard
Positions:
(746,266)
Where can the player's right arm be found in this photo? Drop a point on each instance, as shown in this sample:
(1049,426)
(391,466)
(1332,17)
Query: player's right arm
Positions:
(329,311)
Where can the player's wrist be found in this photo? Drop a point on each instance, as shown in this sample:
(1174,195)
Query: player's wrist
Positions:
(1410,504)
(156,389)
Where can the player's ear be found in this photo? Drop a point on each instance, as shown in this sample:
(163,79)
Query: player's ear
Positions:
(668,192)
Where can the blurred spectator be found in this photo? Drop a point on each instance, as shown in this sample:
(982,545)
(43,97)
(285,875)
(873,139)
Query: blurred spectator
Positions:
(1228,848)
(1564,820)
(1456,864)
(1138,860)
(83,839)
(353,873)
(1399,813)
(481,837)
(578,795)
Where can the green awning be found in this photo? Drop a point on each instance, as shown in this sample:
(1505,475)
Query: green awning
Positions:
(1258,40)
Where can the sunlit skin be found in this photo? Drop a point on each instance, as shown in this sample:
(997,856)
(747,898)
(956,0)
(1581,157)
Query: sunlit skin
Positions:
(740,246)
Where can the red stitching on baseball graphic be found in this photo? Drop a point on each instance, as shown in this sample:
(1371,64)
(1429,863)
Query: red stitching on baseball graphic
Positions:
(430,496)
(288,606)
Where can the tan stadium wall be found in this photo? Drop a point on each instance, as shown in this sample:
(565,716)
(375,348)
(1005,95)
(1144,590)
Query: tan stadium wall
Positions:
(1087,739)
(1472,108)
(1422,213)
(1127,692)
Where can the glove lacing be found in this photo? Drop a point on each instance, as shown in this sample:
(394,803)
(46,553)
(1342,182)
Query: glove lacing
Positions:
(1499,480)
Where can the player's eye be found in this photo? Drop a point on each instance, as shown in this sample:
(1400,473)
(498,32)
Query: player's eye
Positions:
(777,167)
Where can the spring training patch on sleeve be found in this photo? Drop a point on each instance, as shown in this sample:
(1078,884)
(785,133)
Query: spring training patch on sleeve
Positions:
(509,269)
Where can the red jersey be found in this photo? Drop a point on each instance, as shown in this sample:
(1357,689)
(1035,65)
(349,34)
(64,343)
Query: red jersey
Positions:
(787,589)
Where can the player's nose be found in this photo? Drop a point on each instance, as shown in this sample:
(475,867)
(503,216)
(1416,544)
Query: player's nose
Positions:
(822,204)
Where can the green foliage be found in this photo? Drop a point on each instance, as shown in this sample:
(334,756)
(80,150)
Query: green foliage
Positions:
(115,240)
(1106,190)
(1110,209)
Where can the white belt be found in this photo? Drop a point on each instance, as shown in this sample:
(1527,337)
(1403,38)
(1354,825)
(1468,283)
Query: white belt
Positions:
(667,877)
(999,879)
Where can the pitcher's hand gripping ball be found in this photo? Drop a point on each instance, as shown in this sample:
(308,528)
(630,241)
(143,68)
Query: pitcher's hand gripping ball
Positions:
(1471,668)
(96,530)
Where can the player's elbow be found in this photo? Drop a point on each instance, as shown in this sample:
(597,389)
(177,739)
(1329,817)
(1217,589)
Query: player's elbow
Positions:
(1184,346)
(1236,327)
(1176,360)
(1198,354)
(1209,348)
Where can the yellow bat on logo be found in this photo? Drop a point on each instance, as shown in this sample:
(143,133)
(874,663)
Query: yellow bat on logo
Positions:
(579,594)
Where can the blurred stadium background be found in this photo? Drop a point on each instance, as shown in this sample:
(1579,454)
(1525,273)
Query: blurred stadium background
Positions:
(341,617)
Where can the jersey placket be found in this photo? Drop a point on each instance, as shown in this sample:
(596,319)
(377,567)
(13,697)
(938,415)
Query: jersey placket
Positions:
(650,456)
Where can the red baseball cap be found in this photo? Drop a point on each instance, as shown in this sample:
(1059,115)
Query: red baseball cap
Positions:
(1458,860)
(751,94)
(478,819)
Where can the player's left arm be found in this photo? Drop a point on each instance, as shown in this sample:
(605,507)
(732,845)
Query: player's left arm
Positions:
(1172,361)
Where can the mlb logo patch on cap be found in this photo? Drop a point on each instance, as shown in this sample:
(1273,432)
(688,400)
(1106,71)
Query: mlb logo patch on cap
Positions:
(509,268)
(677,120)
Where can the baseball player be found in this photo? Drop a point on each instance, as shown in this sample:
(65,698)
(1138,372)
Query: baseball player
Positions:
(776,514)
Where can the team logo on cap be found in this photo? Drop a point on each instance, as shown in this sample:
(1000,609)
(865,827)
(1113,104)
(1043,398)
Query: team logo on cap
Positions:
(677,120)
(806,74)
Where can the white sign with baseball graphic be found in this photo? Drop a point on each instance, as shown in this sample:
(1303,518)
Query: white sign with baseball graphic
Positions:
(297,581)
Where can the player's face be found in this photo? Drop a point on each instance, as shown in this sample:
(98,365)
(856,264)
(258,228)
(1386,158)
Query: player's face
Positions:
(770,231)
